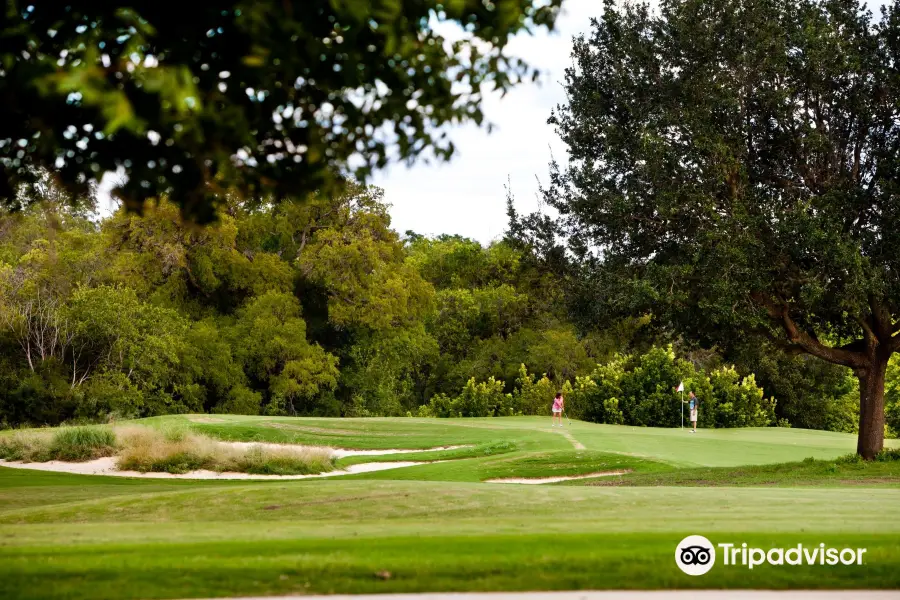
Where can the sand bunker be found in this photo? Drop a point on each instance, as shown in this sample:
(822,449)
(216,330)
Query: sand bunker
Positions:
(540,480)
(107,466)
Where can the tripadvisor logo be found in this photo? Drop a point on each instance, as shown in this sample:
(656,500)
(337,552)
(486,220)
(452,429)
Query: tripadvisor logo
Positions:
(696,555)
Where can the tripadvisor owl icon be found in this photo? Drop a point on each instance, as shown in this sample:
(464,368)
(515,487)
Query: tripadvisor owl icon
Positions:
(695,555)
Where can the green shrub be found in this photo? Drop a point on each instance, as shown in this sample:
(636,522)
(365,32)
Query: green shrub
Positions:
(590,401)
(43,396)
(839,410)
(533,396)
(485,399)
(740,402)
(357,407)
(440,405)
(77,444)
(110,395)
(241,401)
(648,397)
(892,420)
(847,459)
(640,390)
(888,455)
(506,406)
(606,392)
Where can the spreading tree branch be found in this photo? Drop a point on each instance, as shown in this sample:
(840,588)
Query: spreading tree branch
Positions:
(799,338)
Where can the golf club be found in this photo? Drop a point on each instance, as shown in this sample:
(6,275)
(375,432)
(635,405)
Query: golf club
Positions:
(567,417)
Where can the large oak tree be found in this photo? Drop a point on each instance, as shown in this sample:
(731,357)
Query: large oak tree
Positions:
(280,97)
(733,166)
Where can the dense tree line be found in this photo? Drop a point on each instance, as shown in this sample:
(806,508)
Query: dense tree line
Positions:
(320,308)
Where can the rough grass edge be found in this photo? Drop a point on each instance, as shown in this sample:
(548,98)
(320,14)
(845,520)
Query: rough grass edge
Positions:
(164,450)
(886,455)
(71,444)
(807,471)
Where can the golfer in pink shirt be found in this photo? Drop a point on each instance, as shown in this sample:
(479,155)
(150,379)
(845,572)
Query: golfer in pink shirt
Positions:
(558,405)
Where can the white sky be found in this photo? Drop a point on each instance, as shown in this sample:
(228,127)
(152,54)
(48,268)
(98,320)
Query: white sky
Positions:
(466,195)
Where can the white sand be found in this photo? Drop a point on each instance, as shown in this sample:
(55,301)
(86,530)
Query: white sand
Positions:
(107,466)
(540,480)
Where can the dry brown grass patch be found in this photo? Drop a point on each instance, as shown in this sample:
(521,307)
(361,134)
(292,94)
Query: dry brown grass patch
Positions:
(179,450)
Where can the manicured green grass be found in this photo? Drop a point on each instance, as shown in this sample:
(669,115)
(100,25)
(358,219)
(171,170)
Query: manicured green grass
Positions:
(717,447)
(371,434)
(158,540)
(834,473)
(525,561)
(708,447)
(436,527)
(387,504)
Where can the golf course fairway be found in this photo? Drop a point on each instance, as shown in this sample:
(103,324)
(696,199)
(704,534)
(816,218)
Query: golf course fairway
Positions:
(441,527)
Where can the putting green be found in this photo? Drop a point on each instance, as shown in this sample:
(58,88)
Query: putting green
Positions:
(707,447)
(436,527)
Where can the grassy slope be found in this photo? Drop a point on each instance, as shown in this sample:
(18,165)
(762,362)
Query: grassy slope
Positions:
(434,528)
(820,473)
(711,447)
(167,540)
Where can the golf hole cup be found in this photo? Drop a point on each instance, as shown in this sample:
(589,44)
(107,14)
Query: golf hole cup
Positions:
(695,555)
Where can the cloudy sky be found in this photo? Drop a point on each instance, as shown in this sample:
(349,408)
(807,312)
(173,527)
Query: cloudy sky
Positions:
(466,195)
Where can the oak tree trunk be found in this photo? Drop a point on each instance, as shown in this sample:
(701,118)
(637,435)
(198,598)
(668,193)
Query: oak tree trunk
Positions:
(871,408)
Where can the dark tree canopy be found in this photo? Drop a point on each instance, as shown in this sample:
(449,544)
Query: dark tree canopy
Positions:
(735,168)
(192,99)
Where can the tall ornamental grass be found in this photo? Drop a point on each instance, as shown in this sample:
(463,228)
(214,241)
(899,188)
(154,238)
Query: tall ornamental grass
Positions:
(70,444)
(166,450)
(179,450)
